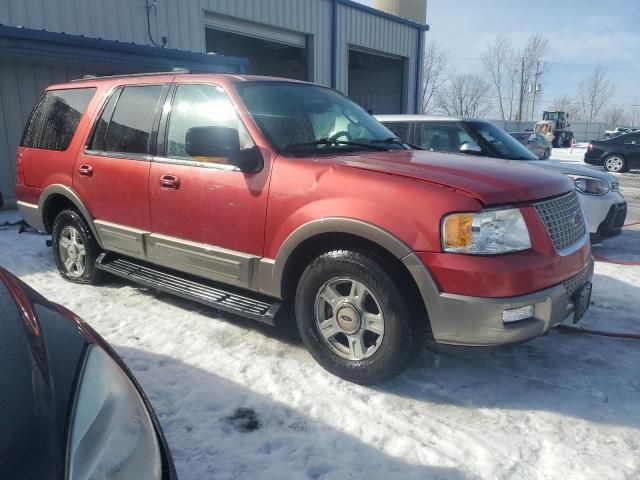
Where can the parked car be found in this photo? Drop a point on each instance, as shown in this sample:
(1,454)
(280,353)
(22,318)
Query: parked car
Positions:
(70,406)
(619,154)
(617,132)
(249,193)
(599,192)
(535,143)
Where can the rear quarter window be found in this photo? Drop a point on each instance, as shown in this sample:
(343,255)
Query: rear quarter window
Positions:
(55,119)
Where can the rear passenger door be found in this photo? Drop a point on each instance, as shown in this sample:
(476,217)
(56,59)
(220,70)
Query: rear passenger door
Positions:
(112,173)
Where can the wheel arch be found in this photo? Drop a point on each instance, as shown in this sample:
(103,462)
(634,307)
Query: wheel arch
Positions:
(279,277)
(56,198)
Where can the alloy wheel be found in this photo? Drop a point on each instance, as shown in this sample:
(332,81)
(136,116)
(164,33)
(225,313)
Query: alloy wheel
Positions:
(72,252)
(349,318)
(614,164)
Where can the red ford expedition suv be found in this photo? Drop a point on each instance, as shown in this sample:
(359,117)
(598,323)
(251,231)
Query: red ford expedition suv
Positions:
(250,193)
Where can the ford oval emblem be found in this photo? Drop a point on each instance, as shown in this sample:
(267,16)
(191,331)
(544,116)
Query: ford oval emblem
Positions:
(577,220)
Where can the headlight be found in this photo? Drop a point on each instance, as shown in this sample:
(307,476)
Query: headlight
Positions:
(485,233)
(112,435)
(590,185)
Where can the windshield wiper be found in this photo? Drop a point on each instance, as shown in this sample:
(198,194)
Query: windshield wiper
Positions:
(397,141)
(330,143)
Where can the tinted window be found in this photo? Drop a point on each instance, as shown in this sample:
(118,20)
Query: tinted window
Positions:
(201,106)
(502,144)
(97,142)
(55,119)
(443,137)
(633,139)
(128,128)
(402,130)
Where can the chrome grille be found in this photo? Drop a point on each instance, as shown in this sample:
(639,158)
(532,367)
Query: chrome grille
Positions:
(564,220)
(572,285)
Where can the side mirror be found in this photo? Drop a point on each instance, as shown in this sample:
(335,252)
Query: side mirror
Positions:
(471,148)
(222,142)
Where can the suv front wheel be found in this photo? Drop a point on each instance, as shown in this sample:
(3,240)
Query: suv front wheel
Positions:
(353,317)
(75,249)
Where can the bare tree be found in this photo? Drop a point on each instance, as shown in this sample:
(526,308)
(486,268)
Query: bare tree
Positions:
(465,95)
(565,103)
(593,92)
(434,70)
(615,116)
(497,59)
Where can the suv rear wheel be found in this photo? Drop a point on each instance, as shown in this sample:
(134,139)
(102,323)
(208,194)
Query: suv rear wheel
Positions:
(353,317)
(75,249)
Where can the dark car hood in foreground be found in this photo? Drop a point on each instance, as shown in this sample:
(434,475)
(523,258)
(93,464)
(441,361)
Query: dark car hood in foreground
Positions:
(41,352)
(491,181)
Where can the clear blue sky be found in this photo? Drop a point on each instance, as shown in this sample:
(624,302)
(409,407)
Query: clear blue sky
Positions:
(581,34)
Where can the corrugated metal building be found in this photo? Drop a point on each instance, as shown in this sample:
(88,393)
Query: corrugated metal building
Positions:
(370,55)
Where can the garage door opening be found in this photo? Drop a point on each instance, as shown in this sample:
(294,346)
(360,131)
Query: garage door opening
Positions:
(266,57)
(376,82)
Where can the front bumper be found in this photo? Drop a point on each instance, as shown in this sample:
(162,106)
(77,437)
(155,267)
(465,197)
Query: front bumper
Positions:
(597,208)
(613,223)
(477,321)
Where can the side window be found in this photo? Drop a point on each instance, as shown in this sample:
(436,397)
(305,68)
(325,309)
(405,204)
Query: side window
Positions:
(633,139)
(127,120)
(402,130)
(56,117)
(443,137)
(201,105)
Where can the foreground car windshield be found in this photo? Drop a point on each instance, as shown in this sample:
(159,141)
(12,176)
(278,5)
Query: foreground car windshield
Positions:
(504,144)
(299,117)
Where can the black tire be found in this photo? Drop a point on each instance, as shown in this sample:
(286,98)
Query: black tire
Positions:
(71,219)
(615,163)
(402,337)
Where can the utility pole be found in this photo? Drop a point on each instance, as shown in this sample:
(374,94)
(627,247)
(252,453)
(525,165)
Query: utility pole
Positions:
(535,89)
(521,90)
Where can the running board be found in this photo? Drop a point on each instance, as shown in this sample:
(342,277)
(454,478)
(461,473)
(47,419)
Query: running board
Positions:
(222,298)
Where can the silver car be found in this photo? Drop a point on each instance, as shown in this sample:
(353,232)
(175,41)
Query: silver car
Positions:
(534,142)
(604,206)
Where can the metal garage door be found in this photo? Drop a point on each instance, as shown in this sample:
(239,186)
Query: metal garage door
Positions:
(21,84)
(377,82)
(271,51)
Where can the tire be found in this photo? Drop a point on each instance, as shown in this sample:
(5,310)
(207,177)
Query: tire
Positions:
(75,249)
(387,337)
(615,164)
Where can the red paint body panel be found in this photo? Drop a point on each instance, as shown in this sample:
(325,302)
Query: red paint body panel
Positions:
(406,193)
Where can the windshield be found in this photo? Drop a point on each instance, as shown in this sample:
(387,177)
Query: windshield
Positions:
(300,117)
(502,144)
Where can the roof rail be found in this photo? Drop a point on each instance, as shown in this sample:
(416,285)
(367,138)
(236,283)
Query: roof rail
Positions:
(175,71)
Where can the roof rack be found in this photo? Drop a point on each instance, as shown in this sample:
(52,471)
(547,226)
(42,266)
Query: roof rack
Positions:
(175,71)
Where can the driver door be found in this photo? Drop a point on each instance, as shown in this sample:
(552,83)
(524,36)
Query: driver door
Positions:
(207,217)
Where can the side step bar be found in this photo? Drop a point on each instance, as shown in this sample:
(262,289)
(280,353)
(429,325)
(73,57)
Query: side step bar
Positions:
(222,298)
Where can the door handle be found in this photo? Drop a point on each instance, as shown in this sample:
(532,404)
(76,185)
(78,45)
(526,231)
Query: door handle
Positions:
(170,182)
(85,170)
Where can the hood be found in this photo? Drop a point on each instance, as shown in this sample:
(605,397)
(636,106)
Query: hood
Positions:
(41,353)
(488,180)
(570,168)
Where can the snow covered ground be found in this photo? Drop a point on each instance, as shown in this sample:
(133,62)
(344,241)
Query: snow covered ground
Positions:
(560,407)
